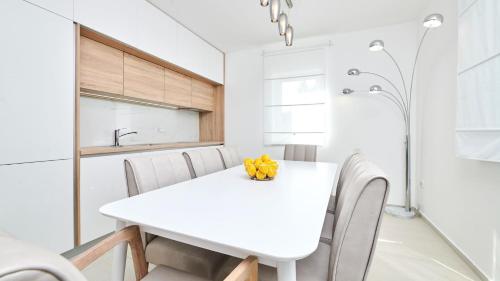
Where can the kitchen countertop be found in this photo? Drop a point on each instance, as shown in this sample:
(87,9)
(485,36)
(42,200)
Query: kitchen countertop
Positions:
(100,150)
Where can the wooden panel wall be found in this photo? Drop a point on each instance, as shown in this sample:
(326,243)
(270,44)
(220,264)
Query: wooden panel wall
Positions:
(212,123)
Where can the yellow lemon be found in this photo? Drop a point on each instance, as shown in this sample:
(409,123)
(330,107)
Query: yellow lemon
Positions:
(271,173)
(257,162)
(260,175)
(265,157)
(248,161)
(264,168)
(251,170)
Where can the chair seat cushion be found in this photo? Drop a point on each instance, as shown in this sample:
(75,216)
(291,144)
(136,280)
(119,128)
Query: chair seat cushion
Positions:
(198,261)
(331,205)
(312,268)
(164,273)
(327,231)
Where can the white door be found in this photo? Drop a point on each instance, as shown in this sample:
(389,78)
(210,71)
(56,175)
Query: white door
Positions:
(36,84)
(36,203)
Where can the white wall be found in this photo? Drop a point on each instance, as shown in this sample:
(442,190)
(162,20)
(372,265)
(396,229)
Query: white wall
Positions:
(460,197)
(99,118)
(359,121)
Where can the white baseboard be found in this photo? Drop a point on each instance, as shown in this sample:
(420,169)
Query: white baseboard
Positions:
(464,256)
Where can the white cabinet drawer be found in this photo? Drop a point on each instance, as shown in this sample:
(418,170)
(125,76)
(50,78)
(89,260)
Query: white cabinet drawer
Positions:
(36,84)
(36,204)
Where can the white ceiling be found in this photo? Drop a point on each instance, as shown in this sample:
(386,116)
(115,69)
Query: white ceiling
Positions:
(236,24)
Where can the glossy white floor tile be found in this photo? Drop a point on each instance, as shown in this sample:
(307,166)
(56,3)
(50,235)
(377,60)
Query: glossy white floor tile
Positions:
(411,250)
(407,250)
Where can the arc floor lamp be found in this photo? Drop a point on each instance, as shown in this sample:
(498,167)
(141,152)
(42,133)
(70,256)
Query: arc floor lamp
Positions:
(401,97)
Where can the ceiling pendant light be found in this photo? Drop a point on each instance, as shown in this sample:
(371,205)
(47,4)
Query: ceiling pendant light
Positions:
(282,23)
(289,35)
(264,3)
(275,10)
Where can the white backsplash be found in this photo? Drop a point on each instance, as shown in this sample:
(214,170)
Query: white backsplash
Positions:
(99,118)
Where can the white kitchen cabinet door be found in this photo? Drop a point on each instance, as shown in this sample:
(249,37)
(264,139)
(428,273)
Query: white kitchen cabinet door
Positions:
(134,22)
(61,7)
(36,203)
(218,67)
(37,85)
(198,56)
(102,180)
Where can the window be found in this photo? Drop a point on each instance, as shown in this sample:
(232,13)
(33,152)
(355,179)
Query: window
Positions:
(295,97)
(478,102)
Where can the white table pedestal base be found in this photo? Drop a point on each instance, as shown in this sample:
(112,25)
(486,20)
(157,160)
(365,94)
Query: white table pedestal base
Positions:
(119,257)
(286,271)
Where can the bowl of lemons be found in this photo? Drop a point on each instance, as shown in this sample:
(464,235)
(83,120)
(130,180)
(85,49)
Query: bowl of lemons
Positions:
(262,168)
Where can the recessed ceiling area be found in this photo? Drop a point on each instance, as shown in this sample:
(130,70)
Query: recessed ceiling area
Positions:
(238,24)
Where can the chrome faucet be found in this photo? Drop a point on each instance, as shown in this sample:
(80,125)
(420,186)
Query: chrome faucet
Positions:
(118,136)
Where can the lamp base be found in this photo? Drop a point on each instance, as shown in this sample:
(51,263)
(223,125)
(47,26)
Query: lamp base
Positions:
(401,212)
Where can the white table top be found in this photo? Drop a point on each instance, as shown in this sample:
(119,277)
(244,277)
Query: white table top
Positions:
(278,220)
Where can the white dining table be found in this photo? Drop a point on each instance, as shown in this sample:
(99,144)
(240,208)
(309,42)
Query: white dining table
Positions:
(278,221)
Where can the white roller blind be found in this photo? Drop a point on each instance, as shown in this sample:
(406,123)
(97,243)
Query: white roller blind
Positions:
(295,97)
(478,102)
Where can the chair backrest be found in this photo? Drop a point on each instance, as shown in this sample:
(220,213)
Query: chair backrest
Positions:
(148,173)
(21,261)
(346,172)
(300,152)
(230,156)
(357,222)
(203,161)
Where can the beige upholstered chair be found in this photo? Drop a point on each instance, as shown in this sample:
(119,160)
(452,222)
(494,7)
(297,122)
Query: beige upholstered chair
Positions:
(23,262)
(203,161)
(346,168)
(230,156)
(149,173)
(300,152)
(355,231)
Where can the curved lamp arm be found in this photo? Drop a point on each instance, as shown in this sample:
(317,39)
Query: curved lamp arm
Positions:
(416,59)
(391,97)
(399,70)
(390,82)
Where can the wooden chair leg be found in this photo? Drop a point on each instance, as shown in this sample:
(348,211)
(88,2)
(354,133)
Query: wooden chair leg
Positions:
(247,270)
(132,236)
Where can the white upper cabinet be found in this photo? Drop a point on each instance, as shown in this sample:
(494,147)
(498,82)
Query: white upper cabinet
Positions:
(143,26)
(198,56)
(134,22)
(37,86)
(60,7)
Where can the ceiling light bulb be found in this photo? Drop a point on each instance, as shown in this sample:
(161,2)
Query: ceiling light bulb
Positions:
(282,23)
(433,21)
(375,89)
(376,45)
(353,72)
(264,3)
(347,91)
(289,35)
(275,10)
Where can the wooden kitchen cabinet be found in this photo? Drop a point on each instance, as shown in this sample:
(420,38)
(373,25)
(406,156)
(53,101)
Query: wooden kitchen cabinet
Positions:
(101,67)
(202,96)
(177,89)
(143,79)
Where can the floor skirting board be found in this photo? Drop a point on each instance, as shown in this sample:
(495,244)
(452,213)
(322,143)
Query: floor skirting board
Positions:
(478,271)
